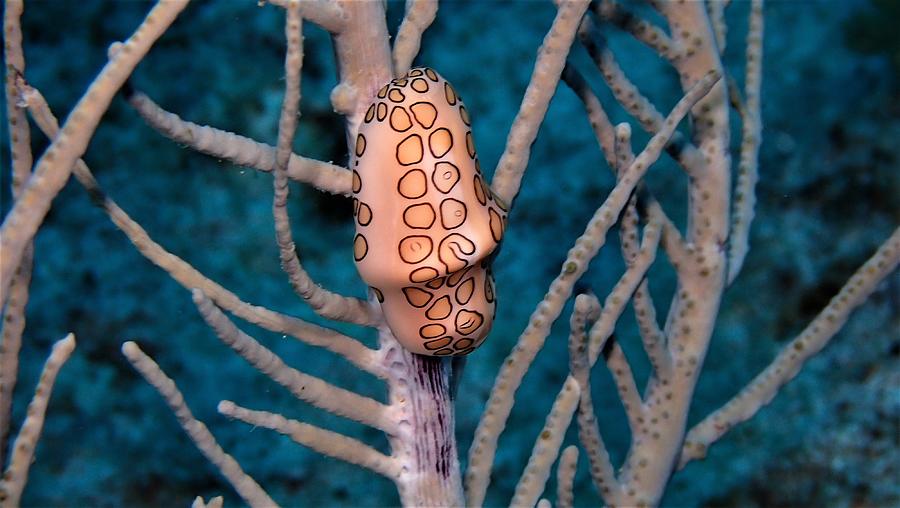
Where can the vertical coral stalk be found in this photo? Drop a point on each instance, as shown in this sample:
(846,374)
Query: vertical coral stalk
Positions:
(655,447)
(364,61)
(22,159)
(424,443)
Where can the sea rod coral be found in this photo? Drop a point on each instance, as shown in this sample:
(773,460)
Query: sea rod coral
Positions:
(410,431)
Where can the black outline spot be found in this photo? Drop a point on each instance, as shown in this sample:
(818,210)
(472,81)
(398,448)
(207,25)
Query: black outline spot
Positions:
(396,95)
(455,277)
(458,325)
(355,206)
(479,191)
(399,82)
(436,313)
(383,92)
(431,345)
(381,112)
(457,221)
(394,112)
(488,288)
(419,105)
(415,72)
(467,285)
(364,216)
(435,284)
(415,260)
(370,113)
(496,223)
(450,94)
(357,182)
(411,209)
(424,274)
(365,245)
(463,344)
(470,144)
(443,352)
(378,294)
(464,115)
(421,150)
(439,330)
(431,142)
(408,174)
(416,294)
(431,74)
(417,85)
(453,245)
(487,190)
(442,184)
(360,145)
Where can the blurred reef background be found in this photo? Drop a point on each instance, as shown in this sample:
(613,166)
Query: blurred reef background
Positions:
(829,193)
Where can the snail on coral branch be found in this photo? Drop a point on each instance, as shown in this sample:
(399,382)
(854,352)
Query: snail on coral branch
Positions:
(426,220)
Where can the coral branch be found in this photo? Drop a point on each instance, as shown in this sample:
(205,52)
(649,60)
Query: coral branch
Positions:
(716,9)
(631,98)
(424,444)
(710,177)
(645,312)
(216,502)
(364,61)
(600,123)
(11,344)
(419,16)
(763,388)
(565,477)
(323,302)
(19,135)
(615,302)
(548,67)
(305,387)
(546,447)
(672,241)
(602,472)
(16,474)
(600,332)
(328,15)
(620,369)
(748,165)
(502,398)
(20,153)
(701,276)
(238,149)
(203,439)
(321,440)
(55,166)
(647,33)
(189,278)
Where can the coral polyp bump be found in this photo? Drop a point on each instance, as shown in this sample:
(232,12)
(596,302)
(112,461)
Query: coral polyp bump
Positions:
(426,220)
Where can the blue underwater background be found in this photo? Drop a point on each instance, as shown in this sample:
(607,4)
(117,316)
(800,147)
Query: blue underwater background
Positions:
(829,193)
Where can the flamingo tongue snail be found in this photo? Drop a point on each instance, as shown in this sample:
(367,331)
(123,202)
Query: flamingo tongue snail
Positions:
(426,221)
